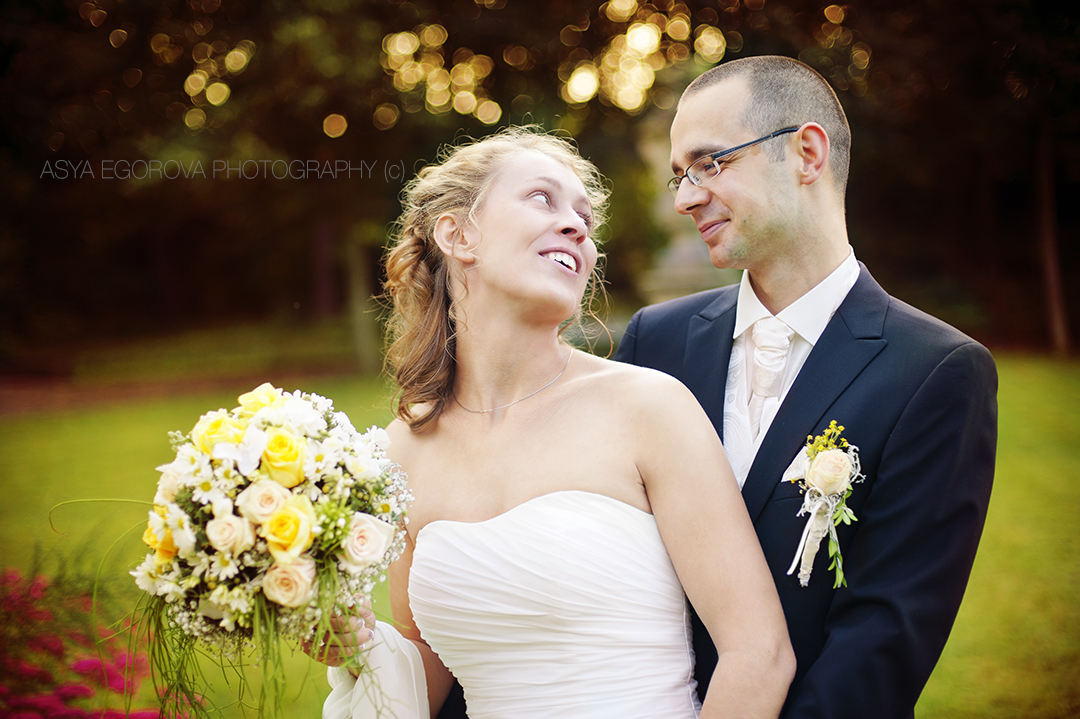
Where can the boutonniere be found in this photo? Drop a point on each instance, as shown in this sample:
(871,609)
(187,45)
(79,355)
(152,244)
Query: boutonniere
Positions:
(825,469)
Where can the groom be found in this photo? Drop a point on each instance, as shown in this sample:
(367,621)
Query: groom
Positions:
(760,150)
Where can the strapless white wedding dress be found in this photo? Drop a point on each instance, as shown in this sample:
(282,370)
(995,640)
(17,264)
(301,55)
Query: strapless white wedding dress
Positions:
(565,606)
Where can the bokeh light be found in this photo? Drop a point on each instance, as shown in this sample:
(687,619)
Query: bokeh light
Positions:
(834,14)
(710,44)
(416,61)
(218,93)
(386,116)
(488,112)
(621,10)
(334,125)
(584,83)
(195,118)
(195,83)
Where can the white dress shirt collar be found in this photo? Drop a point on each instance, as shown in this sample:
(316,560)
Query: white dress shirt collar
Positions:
(807,315)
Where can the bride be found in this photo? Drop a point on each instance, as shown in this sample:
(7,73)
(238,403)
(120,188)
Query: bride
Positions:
(564,503)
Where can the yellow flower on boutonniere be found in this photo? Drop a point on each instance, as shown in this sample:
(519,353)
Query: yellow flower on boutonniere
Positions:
(825,469)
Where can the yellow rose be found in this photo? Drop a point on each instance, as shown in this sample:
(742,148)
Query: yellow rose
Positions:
(214,427)
(265,395)
(288,532)
(164,547)
(283,458)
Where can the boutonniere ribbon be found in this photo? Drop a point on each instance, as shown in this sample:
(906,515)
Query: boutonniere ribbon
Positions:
(825,469)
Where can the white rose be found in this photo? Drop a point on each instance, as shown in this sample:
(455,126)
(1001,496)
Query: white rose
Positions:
(221,507)
(262,500)
(366,542)
(302,415)
(291,585)
(167,485)
(378,437)
(362,468)
(230,534)
(830,472)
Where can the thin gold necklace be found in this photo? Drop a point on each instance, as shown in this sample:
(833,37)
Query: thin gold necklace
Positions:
(522,399)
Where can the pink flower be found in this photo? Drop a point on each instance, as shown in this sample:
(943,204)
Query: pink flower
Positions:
(27,671)
(43,704)
(103,673)
(67,692)
(49,644)
(134,663)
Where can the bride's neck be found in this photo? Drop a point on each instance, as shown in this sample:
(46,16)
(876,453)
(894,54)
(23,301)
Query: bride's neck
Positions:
(497,364)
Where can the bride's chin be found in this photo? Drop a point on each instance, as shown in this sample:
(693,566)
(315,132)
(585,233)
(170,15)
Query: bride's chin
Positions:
(554,314)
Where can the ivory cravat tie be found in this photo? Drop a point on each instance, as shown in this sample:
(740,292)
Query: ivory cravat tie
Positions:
(771,338)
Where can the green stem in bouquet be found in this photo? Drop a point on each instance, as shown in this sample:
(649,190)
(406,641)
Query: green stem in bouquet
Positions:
(86,501)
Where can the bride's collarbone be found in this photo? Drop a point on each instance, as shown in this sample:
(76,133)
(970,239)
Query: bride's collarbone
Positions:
(475,482)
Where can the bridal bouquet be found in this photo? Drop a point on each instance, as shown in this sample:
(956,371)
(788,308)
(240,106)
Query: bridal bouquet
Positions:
(273,515)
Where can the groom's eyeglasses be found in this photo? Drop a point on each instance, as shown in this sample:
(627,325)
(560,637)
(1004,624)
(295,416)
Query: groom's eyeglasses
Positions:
(706,168)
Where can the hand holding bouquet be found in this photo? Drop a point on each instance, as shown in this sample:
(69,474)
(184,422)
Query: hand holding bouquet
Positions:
(273,516)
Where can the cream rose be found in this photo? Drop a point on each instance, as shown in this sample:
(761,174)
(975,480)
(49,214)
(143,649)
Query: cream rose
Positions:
(168,484)
(230,534)
(283,457)
(265,395)
(366,542)
(830,472)
(215,427)
(288,532)
(262,500)
(291,585)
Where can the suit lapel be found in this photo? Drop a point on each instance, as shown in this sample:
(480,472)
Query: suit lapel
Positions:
(850,341)
(708,351)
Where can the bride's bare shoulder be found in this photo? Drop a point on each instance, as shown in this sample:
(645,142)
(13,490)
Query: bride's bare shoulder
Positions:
(403,441)
(630,386)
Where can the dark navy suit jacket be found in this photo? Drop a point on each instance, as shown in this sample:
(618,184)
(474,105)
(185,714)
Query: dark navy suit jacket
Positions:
(919,400)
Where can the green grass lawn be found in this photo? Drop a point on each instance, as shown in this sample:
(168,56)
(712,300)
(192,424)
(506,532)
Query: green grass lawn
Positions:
(1015,650)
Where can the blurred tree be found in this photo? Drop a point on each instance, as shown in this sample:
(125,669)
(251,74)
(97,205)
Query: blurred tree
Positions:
(305,118)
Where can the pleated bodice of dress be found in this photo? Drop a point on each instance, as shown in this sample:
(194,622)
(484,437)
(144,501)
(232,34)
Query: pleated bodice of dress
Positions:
(565,606)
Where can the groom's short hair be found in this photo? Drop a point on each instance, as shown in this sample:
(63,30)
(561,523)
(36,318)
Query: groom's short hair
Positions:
(783,93)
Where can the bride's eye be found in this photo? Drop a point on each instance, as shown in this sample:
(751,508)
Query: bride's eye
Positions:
(543,197)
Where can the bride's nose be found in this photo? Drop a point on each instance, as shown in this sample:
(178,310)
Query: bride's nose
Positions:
(574,226)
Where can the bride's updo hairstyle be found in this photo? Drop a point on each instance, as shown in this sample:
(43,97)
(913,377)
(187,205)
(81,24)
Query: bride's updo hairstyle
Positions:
(422,320)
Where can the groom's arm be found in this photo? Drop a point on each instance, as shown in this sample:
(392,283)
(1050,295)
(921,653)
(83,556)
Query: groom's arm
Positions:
(909,559)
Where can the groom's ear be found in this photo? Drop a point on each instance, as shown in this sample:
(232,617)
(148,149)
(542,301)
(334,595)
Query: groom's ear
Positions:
(812,150)
(454,239)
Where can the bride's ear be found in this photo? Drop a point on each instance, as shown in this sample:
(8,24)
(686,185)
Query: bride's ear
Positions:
(452,238)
